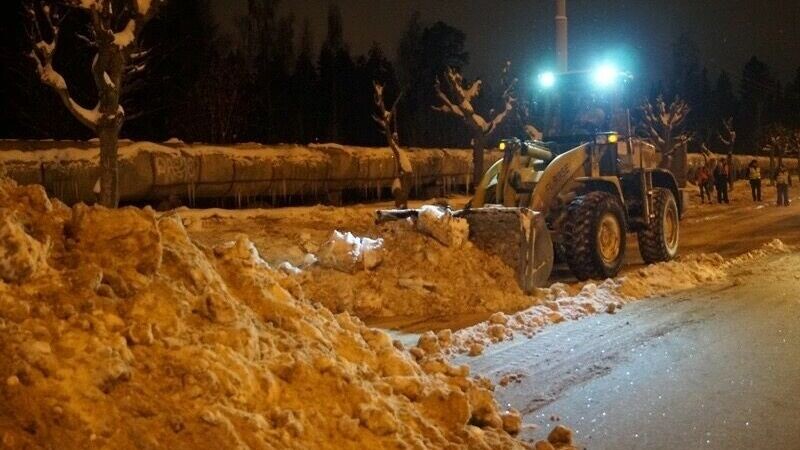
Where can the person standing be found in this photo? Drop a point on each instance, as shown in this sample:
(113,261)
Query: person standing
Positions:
(704,182)
(721,174)
(754,175)
(782,182)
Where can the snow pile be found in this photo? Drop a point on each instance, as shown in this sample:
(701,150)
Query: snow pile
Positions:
(562,302)
(776,246)
(420,276)
(440,224)
(131,335)
(348,253)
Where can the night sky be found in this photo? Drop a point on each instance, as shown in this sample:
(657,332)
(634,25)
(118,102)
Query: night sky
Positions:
(637,32)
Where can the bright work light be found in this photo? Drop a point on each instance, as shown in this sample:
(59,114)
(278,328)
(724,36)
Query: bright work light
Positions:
(547,80)
(605,75)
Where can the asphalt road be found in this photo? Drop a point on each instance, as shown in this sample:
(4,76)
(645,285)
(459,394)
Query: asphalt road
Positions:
(714,368)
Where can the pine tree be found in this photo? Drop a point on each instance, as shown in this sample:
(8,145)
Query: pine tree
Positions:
(304,89)
(181,44)
(758,88)
(337,73)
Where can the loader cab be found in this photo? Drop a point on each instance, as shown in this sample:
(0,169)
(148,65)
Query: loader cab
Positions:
(575,107)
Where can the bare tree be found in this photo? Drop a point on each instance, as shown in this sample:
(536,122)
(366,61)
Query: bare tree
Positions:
(728,138)
(457,99)
(525,119)
(663,127)
(113,28)
(403,171)
(781,142)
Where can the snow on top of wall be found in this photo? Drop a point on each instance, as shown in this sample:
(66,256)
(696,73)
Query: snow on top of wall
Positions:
(76,152)
(129,150)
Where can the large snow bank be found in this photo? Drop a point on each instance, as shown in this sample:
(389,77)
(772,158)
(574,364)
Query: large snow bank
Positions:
(132,336)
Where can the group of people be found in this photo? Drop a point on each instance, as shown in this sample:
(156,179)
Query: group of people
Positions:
(713,176)
(716,175)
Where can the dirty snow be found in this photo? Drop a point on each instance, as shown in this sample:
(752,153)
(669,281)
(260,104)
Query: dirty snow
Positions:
(121,332)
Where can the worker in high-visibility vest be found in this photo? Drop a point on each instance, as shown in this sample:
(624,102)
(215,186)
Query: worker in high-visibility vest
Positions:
(754,175)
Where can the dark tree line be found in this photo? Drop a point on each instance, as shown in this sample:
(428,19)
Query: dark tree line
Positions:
(755,99)
(269,83)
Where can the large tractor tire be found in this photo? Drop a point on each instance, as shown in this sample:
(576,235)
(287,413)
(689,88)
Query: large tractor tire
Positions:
(658,242)
(594,236)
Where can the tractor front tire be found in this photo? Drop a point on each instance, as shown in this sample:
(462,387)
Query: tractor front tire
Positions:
(658,242)
(594,236)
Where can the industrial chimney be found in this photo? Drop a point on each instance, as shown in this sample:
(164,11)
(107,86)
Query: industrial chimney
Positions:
(561,35)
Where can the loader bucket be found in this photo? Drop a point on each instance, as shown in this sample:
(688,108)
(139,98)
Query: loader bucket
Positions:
(518,236)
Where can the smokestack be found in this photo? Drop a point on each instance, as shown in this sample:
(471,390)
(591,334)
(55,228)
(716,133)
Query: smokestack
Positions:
(561,35)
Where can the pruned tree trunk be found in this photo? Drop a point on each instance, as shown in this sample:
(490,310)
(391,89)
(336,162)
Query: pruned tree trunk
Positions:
(457,100)
(728,138)
(114,28)
(403,171)
(478,156)
(662,124)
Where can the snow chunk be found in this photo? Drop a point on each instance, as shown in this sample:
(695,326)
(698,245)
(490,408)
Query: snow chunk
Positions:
(347,253)
(125,37)
(21,256)
(440,224)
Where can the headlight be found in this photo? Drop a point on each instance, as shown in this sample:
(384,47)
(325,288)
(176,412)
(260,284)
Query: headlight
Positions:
(607,138)
(547,80)
(502,145)
(605,75)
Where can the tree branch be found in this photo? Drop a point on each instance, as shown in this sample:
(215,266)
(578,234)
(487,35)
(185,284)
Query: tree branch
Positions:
(42,56)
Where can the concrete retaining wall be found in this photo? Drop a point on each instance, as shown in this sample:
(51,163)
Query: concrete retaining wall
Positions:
(153,172)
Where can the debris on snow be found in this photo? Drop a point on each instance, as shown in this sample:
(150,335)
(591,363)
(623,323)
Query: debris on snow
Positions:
(209,348)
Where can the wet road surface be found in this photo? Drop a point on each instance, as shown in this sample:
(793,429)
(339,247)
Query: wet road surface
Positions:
(714,368)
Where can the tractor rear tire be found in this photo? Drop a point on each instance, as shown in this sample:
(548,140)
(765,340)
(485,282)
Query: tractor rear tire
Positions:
(658,242)
(594,236)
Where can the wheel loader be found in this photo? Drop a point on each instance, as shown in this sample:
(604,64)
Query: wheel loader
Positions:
(573,198)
